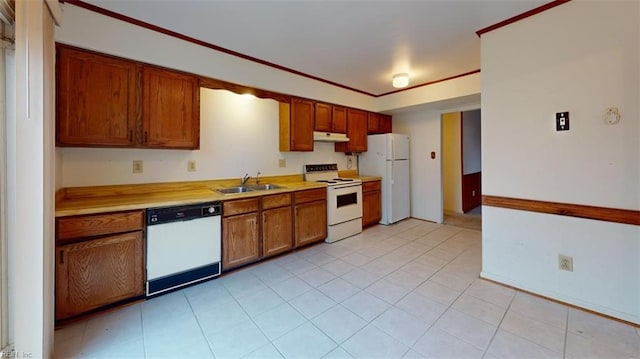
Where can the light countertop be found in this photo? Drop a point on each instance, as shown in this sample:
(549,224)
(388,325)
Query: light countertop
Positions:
(101,199)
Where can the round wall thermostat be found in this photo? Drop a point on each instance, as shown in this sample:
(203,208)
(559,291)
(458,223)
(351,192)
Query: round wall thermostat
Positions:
(611,116)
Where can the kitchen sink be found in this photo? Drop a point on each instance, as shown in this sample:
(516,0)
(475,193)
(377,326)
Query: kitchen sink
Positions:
(264,187)
(232,190)
(242,189)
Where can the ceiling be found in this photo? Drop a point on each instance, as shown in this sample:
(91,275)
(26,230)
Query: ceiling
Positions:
(356,44)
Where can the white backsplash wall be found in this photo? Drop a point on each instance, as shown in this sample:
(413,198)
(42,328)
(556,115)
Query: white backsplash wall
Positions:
(237,136)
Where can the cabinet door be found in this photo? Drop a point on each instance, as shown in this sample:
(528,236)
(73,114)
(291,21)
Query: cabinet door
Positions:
(240,240)
(384,123)
(323,117)
(302,120)
(310,222)
(371,208)
(356,131)
(170,109)
(373,123)
(96,99)
(339,123)
(97,272)
(277,231)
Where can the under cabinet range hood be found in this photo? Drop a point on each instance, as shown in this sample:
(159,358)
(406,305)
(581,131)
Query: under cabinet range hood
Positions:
(329,137)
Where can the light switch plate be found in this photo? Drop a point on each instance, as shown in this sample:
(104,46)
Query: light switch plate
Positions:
(562,121)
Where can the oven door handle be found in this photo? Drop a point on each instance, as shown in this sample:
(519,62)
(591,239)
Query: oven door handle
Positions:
(343,187)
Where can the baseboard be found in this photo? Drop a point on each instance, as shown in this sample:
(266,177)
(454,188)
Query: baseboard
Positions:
(621,317)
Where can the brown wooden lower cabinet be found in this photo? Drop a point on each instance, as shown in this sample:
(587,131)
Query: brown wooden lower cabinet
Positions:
(240,240)
(97,272)
(266,226)
(371,203)
(277,231)
(310,222)
(277,224)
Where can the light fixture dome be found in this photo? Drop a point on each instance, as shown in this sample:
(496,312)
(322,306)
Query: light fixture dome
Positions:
(400,80)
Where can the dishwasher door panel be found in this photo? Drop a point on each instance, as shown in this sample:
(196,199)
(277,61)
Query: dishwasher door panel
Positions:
(170,250)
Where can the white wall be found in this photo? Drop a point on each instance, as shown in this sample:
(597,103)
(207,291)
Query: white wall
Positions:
(564,59)
(451,162)
(237,136)
(423,124)
(461,87)
(423,128)
(471,142)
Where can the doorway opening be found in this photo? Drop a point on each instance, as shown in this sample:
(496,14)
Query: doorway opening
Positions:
(462,169)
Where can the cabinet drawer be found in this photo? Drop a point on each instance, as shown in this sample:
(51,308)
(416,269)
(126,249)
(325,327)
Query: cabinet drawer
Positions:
(68,228)
(276,200)
(310,195)
(240,206)
(370,186)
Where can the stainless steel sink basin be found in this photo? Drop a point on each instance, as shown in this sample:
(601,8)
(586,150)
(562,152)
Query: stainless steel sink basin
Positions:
(232,190)
(264,187)
(243,189)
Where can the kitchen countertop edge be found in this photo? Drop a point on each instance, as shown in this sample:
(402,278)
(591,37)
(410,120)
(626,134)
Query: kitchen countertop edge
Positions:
(66,207)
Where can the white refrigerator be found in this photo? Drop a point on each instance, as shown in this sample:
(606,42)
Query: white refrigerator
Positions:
(387,156)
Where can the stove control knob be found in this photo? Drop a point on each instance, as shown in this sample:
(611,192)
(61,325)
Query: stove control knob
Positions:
(211,209)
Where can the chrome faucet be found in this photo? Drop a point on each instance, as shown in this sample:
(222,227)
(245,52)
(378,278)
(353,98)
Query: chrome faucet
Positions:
(258,178)
(244,179)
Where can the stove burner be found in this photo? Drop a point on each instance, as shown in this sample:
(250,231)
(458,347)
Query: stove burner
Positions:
(326,181)
(343,179)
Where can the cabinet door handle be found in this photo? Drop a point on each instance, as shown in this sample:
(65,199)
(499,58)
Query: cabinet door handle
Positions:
(61,257)
(130,135)
(145,136)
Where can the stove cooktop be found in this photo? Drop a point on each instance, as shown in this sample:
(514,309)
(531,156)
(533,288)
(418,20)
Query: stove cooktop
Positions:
(326,173)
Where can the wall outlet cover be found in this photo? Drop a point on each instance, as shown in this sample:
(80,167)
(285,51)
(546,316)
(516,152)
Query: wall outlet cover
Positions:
(191,166)
(137,166)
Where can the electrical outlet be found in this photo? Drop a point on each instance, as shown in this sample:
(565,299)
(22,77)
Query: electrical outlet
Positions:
(137,166)
(282,163)
(191,166)
(565,262)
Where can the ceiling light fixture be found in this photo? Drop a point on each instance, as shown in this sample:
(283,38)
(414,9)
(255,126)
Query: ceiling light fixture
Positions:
(400,80)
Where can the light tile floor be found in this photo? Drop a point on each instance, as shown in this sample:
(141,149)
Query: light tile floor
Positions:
(410,290)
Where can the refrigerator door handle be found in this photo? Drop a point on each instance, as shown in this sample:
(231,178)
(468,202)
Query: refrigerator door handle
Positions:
(393,181)
(393,149)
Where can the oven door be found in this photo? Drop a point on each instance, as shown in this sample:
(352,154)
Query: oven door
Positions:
(344,203)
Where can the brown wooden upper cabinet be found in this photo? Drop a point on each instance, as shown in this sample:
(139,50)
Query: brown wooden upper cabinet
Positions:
(378,123)
(96,99)
(105,101)
(329,118)
(356,131)
(170,109)
(296,125)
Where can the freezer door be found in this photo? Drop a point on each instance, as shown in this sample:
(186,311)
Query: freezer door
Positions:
(397,147)
(395,195)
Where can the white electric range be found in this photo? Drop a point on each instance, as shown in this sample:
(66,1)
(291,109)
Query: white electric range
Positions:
(344,200)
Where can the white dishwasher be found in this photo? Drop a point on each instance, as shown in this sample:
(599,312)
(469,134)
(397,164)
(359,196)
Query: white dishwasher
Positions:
(183,245)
